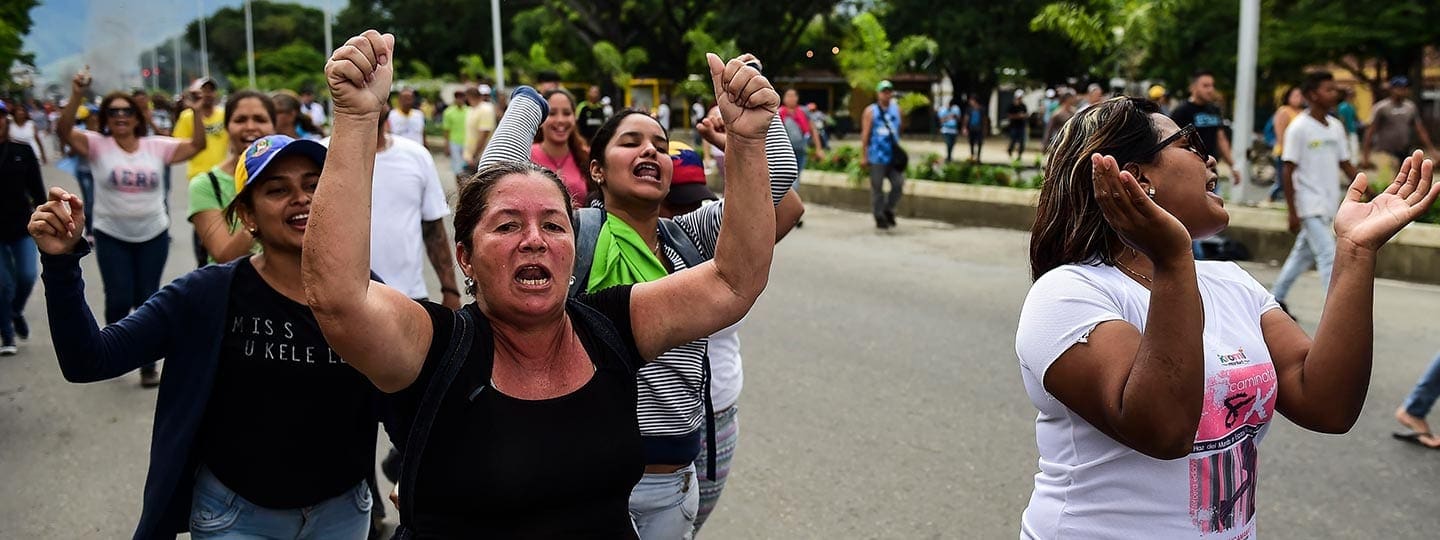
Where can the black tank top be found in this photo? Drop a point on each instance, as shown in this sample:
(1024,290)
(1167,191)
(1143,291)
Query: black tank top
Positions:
(497,466)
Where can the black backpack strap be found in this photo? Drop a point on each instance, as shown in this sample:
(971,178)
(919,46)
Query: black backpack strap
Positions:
(602,328)
(587,232)
(214,184)
(674,237)
(461,338)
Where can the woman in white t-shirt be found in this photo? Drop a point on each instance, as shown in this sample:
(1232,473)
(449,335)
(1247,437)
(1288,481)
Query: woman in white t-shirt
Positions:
(1150,419)
(131,221)
(23,131)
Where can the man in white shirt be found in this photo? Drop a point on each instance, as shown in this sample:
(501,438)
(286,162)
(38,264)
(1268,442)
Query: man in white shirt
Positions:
(407,121)
(480,122)
(408,207)
(310,107)
(1315,150)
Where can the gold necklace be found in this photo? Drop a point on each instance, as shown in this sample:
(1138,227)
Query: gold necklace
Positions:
(1133,272)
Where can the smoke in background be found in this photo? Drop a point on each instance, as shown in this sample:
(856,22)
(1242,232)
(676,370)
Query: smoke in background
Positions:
(112,49)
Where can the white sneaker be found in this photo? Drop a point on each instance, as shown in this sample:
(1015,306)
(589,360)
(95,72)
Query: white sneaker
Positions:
(8,350)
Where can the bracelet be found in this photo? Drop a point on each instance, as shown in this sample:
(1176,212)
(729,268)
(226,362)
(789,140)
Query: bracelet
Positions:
(449,290)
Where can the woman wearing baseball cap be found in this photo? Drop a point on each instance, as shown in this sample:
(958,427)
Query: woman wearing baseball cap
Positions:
(261,429)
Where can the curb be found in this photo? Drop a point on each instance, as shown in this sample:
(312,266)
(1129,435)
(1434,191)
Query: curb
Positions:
(1413,255)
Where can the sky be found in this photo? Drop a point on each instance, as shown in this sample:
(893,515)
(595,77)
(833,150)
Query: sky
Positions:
(101,31)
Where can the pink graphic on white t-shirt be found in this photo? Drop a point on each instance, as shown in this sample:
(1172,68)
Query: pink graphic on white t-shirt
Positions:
(1238,403)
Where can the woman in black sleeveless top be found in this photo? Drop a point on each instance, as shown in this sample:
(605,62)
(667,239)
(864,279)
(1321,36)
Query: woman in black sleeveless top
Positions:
(547,387)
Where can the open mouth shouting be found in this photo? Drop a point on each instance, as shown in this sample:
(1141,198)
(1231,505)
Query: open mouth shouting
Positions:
(648,171)
(532,277)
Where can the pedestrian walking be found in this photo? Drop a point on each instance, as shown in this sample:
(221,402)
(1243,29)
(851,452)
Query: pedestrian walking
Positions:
(1393,123)
(505,390)
(1292,105)
(1315,152)
(560,149)
(262,431)
(591,114)
(290,119)
(1417,406)
(480,123)
(248,117)
(1200,111)
(132,238)
(1157,376)
(950,127)
(452,124)
(405,120)
(21,190)
(821,121)
(204,91)
(798,128)
(1019,116)
(881,155)
(24,131)
(1062,114)
(977,125)
(314,110)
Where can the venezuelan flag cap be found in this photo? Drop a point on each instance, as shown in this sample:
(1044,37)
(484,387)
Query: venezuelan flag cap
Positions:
(265,150)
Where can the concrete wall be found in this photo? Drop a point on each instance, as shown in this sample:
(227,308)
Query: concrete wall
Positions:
(1413,255)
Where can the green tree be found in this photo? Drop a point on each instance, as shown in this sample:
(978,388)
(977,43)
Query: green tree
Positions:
(1122,32)
(294,66)
(473,67)
(868,55)
(984,44)
(275,25)
(620,65)
(1295,34)
(436,32)
(14,24)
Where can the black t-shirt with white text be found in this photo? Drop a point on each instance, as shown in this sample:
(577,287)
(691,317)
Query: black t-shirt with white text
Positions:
(289,424)
(1207,121)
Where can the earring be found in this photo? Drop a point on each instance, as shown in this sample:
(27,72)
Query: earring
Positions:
(252,231)
(469,282)
(1150,191)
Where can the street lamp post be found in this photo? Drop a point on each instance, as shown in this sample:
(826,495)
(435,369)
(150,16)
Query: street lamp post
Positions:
(499,57)
(204,49)
(176,67)
(249,44)
(1244,128)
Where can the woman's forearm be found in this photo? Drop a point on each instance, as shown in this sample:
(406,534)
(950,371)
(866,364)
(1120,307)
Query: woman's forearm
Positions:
(336,263)
(1160,406)
(747,241)
(1336,373)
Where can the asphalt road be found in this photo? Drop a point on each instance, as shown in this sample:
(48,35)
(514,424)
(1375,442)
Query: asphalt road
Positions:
(882,400)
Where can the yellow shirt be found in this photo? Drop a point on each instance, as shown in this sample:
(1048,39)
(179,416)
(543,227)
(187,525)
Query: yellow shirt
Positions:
(217,140)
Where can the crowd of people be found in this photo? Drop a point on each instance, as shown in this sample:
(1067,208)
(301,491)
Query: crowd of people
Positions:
(608,285)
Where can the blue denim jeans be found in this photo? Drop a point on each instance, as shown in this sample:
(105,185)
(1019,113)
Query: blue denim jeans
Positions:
(17,278)
(457,158)
(216,512)
(1423,397)
(663,506)
(1314,245)
(130,272)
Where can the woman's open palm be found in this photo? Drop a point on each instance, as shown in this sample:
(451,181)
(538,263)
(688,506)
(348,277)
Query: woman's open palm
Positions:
(1371,224)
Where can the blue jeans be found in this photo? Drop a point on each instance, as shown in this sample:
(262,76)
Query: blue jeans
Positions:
(1422,398)
(17,278)
(216,512)
(457,158)
(663,506)
(950,146)
(131,274)
(86,179)
(1314,245)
